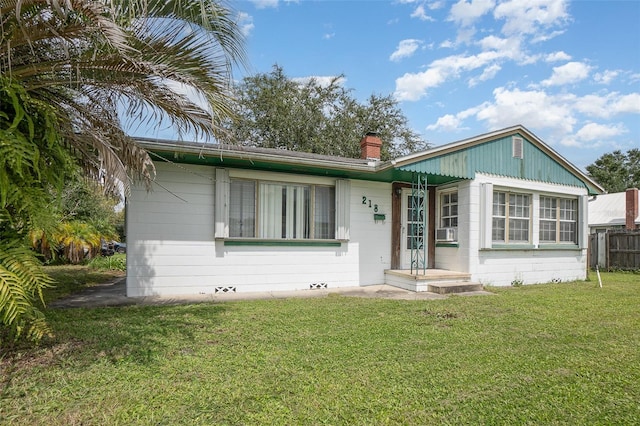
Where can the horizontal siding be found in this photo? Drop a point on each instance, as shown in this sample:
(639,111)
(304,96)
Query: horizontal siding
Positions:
(172,251)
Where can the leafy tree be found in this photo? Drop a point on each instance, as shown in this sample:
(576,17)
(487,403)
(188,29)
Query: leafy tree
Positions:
(617,171)
(82,215)
(274,111)
(68,72)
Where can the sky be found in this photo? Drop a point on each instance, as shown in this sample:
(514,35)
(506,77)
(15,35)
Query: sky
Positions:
(569,71)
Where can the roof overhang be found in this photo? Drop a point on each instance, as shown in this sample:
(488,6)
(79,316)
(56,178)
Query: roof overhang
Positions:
(276,160)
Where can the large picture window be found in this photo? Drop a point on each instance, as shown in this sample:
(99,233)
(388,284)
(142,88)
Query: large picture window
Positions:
(272,210)
(511,217)
(558,220)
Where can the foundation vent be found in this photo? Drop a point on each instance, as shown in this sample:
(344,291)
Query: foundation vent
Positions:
(225,289)
(317,286)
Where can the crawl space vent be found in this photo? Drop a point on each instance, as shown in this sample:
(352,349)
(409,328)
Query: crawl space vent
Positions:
(225,289)
(317,286)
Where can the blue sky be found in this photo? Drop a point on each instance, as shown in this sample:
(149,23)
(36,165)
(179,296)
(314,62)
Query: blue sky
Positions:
(568,71)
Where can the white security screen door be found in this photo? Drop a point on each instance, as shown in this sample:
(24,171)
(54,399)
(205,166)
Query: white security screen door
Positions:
(413,233)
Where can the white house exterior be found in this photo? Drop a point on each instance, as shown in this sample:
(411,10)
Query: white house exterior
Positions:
(499,208)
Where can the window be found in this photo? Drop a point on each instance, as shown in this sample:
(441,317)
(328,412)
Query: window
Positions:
(242,209)
(511,217)
(449,210)
(558,220)
(272,210)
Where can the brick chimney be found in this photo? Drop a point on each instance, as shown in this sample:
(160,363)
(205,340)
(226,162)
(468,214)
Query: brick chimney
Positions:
(631,208)
(370,146)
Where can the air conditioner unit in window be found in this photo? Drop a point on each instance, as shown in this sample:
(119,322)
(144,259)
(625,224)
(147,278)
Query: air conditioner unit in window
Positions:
(447,234)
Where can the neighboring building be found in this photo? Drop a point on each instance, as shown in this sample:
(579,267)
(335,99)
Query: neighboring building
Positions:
(613,212)
(498,208)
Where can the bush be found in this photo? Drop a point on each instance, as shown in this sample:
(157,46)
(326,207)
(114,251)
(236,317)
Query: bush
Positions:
(117,262)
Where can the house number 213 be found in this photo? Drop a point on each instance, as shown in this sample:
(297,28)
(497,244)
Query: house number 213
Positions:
(366,201)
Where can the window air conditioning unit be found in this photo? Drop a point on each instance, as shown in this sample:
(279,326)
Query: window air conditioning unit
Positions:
(447,234)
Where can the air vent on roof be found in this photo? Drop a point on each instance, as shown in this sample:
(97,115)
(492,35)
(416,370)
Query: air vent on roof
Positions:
(517,147)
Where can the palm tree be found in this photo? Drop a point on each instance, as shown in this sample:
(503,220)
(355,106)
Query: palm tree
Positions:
(71,70)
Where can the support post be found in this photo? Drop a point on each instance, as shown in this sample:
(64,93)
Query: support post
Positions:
(418,230)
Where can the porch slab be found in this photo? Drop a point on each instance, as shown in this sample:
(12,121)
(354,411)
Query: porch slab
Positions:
(439,281)
(449,288)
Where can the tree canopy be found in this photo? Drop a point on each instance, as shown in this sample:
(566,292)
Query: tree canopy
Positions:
(617,171)
(275,111)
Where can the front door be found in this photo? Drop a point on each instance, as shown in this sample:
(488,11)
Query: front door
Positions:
(413,230)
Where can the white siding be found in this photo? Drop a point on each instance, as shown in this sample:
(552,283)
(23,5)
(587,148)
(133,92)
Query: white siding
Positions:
(172,249)
(502,266)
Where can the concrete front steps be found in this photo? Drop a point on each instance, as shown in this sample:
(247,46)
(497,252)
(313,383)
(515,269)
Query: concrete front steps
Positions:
(438,281)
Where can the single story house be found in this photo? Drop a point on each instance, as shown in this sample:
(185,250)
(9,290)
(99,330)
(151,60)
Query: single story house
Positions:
(615,211)
(496,209)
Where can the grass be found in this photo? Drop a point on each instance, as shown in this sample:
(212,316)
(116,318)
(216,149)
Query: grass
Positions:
(545,354)
(73,278)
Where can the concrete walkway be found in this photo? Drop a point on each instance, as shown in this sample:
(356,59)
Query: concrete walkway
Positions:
(113,294)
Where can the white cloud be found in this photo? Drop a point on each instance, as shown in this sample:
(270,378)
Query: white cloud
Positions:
(447,44)
(531,16)
(506,47)
(264,4)
(605,77)
(466,13)
(405,49)
(608,105)
(571,72)
(557,56)
(535,108)
(328,36)
(446,123)
(548,36)
(436,5)
(414,86)
(558,114)
(594,131)
(322,80)
(421,14)
(245,23)
(592,135)
(488,73)
(629,104)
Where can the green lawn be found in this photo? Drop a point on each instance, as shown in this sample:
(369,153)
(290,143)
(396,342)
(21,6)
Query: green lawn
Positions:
(546,354)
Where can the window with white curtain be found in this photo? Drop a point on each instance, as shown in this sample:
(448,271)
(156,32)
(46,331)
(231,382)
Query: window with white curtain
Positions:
(273,210)
(242,209)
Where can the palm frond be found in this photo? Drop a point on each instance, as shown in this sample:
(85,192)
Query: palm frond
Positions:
(21,283)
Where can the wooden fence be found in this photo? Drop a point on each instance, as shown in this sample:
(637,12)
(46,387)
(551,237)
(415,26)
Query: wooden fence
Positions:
(615,250)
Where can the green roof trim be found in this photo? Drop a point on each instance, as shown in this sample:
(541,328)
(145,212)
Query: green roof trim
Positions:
(491,153)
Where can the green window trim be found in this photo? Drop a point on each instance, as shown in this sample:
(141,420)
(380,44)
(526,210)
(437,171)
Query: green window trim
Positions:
(282,243)
(559,246)
(447,245)
(541,247)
